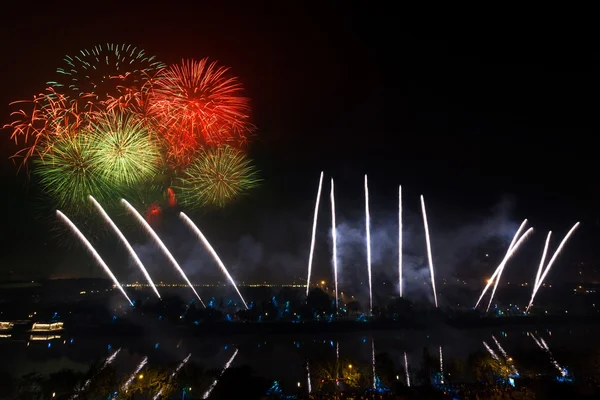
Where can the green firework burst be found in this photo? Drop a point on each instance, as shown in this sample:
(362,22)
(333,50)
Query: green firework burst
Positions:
(69,173)
(127,154)
(216,177)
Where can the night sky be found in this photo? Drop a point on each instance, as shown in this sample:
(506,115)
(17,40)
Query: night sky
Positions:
(480,119)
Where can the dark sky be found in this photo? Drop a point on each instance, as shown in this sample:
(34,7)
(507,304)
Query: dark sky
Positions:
(470,116)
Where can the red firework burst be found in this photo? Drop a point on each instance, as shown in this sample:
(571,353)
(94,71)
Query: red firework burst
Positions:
(153,213)
(196,103)
(171,197)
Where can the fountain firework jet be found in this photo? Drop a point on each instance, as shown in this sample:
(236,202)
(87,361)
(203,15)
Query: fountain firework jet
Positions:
(541,267)
(212,251)
(185,360)
(400,239)
(314,232)
(554,256)
(503,264)
(160,244)
(334,238)
(308,378)
(406,370)
(428,241)
(373,362)
(87,383)
(94,253)
(368,228)
(132,376)
(225,367)
(507,257)
(126,243)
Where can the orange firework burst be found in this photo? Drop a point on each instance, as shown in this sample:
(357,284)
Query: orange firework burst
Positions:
(44,119)
(171,197)
(153,213)
(196,104)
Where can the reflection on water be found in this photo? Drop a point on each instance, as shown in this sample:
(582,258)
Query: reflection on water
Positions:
(288,358)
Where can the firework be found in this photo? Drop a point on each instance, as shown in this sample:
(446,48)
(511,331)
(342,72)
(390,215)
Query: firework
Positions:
(373,363)
(217,176)
(514,244)
(308,377)
(160,244)
(126,153)
(428,242)
(171,197)
(197,104)
(314,232)
(87,383)
(69,173)
(368,230)
(541,266)
(181,364)
(225,367)
(508,359)
(126,243)
(541,343)
(95,254)
(400,239)
(104,71)
(406,370)
(334,238)
(212,251)
(492,353)
(132,376)
(41,121)
(554,256)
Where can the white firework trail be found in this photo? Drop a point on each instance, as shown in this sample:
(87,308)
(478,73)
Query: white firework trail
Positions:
(160,244)
(181,364)
(334,239)
(212,251)
(309,386)
(125,242)
(225,367)
(406,370)
(552,260)
(501,269)
(508,359)
(400,239)
(314,232)
(373,362)
(337,362)
(137,370)
(368,229)
(492,353)
(441,361)
(428,241)
(541,343)
(507,257)
(87,383)
(94,253)
(541,267)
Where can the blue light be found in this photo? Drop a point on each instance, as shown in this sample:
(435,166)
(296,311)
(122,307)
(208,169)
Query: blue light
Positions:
(71,341)
(49,344)
(156,346)
(511,381)
(109,347)
(331,343)
(228,317)
(226,347)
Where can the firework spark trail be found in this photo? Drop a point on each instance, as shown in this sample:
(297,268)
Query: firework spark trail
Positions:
(406,370)
(368,228)
(373,362)
(132,377)
(507,257)
(541,267)
(400,239)
(334,237)
(308,378)
(314,232)
(554,256)
(505,261)
(126,243)
(212,251)
(508,359)
(160,244)
(500,270)
(428,241)
(94,252)
(106,363)
(541,343)
(185,360)
(212,386)
(492,353)
(337,362)
(441,361)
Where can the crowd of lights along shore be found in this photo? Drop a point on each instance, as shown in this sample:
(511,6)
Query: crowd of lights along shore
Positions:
(225,368)
(428,242)
(368,234)
(125,242)
(212,251)
(314,233)
(334,244)
(160,244)
(94,253)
